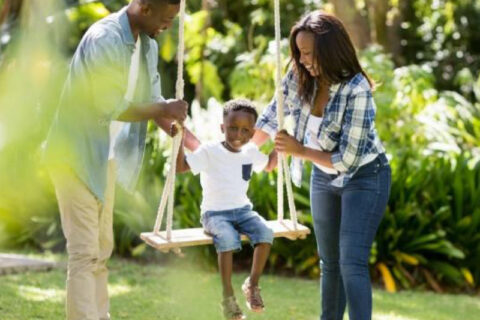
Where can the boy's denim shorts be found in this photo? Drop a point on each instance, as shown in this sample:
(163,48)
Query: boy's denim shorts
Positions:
(226,226)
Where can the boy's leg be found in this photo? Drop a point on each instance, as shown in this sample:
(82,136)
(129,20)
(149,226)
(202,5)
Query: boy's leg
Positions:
(226,240)
(260,257)
(231,310)
(225,261)
(254,226)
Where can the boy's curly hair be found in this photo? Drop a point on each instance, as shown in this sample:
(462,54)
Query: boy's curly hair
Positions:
(240,105)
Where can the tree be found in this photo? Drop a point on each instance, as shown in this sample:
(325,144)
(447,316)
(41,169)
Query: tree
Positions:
(355,20)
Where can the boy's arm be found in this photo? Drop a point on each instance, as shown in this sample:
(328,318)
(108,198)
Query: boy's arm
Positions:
(182,165)
(190,140)
(272,161)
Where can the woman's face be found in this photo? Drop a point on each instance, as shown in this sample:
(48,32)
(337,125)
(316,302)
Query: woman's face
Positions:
(305,44)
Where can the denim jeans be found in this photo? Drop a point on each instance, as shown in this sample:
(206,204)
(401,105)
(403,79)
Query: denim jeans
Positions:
(226,226)
(345,223)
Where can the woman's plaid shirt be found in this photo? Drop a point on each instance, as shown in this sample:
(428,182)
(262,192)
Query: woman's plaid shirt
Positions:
(347,130)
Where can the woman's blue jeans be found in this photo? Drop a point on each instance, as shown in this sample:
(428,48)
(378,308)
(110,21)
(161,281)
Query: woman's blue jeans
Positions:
(345,223)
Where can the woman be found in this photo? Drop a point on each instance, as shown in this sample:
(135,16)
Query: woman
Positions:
(330,98)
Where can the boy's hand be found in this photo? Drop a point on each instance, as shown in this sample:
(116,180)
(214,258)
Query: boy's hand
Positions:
(173,129)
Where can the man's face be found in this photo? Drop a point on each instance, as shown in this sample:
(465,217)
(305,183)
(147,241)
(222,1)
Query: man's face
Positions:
(158,17)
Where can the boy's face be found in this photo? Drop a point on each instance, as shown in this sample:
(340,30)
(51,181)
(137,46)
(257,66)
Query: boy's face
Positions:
(238,127)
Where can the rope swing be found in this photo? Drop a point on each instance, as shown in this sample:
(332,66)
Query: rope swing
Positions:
(173,240)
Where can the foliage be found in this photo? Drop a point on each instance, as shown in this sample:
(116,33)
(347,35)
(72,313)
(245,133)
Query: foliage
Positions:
(444,34)
(434,158)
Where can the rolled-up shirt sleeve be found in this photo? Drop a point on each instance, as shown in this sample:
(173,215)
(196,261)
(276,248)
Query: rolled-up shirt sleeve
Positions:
(106,78)
(358,120)
(156,80)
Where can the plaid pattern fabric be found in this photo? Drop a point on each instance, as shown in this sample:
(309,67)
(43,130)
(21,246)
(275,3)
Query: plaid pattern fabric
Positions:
(347,130)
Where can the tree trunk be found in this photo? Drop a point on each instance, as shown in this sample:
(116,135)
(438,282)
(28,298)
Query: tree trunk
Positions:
(356,23)
(386,21)
(206,5)
(393,33)
(378,13)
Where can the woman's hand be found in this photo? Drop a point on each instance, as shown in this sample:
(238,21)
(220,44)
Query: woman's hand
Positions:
(285,143)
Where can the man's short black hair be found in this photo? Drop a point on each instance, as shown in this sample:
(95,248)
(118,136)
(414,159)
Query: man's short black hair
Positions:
(240,105)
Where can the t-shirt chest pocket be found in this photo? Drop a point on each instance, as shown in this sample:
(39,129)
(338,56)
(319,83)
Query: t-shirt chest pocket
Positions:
(246,171)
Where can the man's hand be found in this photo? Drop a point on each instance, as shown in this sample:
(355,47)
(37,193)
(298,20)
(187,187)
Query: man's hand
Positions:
(169,110)
(174,109)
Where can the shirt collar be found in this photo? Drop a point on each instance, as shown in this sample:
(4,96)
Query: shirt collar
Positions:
(125,24)
(127,31)
(334,88)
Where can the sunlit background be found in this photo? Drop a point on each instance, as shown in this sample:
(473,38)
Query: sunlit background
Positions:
(424,55)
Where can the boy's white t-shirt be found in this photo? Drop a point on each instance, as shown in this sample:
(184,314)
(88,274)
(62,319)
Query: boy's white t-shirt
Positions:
(225,175)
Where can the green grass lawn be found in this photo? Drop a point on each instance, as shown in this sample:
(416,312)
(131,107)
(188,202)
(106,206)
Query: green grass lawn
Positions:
(182,290)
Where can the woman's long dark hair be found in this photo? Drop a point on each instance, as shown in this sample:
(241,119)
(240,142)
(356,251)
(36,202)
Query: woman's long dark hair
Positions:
(333,51)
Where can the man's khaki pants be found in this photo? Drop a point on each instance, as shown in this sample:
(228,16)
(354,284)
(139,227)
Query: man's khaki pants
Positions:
(87,226)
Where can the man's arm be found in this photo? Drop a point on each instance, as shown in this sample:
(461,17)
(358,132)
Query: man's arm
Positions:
(170,110)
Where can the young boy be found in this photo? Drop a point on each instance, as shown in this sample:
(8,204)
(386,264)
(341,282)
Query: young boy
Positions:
(225,169)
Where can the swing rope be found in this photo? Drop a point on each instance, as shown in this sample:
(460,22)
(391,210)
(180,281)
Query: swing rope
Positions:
(168,197)
(169,188)
(283,169)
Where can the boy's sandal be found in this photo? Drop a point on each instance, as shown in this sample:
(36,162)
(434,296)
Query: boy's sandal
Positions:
(231,310)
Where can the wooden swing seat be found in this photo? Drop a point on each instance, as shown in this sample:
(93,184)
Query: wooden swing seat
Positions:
(197,236)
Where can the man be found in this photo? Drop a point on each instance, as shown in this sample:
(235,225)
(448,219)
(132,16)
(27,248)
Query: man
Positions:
(98,134)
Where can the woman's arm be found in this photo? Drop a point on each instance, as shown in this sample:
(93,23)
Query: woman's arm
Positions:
(354,139)
(267,125)
(287,144)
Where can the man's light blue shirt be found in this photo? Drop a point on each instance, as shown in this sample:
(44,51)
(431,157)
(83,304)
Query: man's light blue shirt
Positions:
(94,96)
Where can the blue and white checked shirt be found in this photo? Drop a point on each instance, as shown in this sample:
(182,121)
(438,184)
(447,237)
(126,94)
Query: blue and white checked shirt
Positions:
(347,130)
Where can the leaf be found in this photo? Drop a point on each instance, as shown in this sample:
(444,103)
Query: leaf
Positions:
(388,280)
(168,49)
(409,259)
(468,276)
(448,271)
(138,250)
(431,281)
